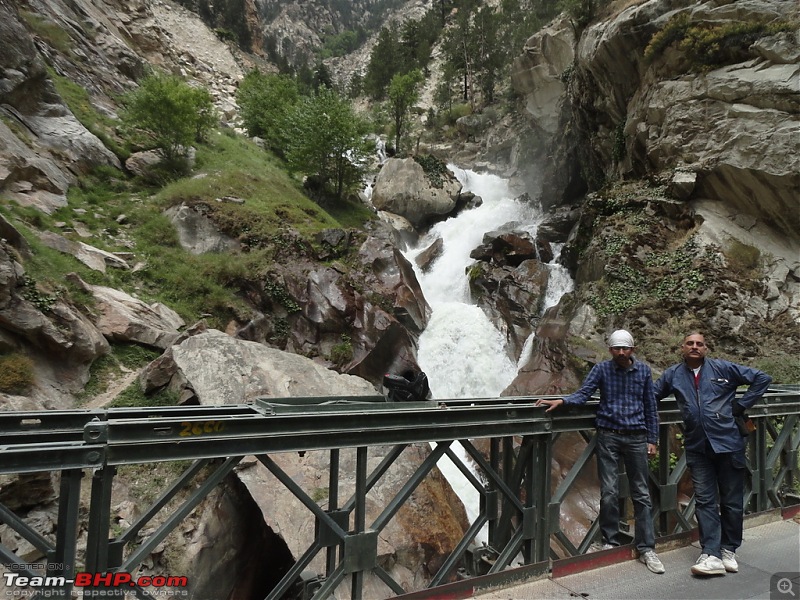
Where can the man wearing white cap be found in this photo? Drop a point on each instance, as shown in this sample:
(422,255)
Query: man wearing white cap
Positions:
(627,428)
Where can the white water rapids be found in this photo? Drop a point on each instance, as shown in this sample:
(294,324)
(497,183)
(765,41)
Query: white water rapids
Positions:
(461,351)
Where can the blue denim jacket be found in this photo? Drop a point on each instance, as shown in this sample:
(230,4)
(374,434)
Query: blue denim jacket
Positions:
(707,411)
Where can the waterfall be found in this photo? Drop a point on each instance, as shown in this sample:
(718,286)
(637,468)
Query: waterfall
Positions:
(457,327)
(461,351)
(380,150)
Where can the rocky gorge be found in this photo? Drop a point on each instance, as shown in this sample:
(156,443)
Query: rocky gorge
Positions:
(671,184)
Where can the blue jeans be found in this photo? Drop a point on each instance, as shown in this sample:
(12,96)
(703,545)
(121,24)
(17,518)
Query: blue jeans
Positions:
(718,481)
(632,449)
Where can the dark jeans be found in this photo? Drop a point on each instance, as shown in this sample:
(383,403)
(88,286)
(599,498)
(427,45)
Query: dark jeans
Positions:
(719,498)
(633,451)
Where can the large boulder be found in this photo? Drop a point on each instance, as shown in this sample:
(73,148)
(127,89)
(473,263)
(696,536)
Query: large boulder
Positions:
(196,232)
(403,188)
(123,318)
(219,369)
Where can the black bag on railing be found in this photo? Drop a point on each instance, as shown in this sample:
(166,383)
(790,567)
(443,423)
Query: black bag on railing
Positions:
(408,387)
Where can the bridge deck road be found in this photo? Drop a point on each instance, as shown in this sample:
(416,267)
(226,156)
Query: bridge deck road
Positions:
(769,569)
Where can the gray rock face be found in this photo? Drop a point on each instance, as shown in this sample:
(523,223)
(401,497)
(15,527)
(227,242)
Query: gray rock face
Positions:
(746,155)
(39,160)
(734,127)
(539,73)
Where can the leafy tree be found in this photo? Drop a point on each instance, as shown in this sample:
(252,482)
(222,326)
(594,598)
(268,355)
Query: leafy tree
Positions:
(325,140)
(582,11)
(169,114)
(343,43)
(264,101)
(356,85)
(403,94)
(443,94)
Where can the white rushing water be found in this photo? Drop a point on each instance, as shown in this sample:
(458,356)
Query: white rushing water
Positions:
(461,351)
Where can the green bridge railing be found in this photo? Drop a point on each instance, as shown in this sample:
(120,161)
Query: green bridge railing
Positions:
(511,473)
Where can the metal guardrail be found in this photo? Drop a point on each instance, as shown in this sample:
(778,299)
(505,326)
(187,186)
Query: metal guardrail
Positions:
(517,506)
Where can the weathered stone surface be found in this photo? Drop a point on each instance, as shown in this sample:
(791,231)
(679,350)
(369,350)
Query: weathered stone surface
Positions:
(735,127)
(557,224)
(748,146)
(512,297)
(363,321)
(197,233)
(121,317)
(504,248)
(222,549)
(92,257)
(428,256)
(63,331)
(551,369)
(403,188)
(539,73)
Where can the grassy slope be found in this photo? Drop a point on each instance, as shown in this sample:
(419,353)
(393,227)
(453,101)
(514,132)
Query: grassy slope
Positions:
(123,215)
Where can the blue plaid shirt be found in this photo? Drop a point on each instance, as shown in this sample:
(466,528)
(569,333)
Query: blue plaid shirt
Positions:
(627,397)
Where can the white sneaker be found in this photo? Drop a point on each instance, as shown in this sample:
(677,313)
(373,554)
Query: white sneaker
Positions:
(708,565)
(598,546)
(729,561)
(650,558)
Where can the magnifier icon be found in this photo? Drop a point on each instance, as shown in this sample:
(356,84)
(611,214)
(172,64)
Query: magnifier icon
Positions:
(785,587)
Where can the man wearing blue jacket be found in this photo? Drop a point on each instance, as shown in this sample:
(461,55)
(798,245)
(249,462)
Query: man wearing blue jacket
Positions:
(627,429)
(705,390)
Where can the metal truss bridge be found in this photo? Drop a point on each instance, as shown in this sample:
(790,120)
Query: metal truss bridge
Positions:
(513,479)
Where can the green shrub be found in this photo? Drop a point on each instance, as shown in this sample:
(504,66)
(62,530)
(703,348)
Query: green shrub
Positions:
(673,31)
(342,353)
(168,114)
(710,45)
(434,168)
(16,373)
(133,396)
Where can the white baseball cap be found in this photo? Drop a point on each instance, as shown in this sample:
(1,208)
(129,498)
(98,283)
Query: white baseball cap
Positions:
(621,338)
